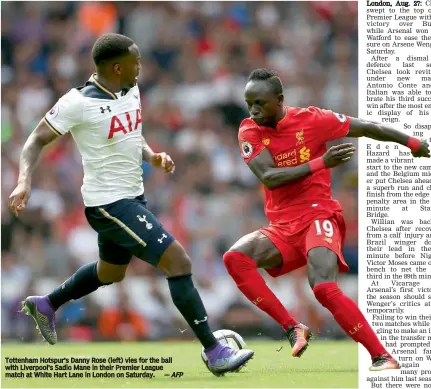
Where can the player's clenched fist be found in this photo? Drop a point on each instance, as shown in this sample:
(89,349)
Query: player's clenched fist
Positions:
(164,161)
(339,154)
(424,150)
(19,197)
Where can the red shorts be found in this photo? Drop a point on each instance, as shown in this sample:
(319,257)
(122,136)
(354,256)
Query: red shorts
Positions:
(295,245)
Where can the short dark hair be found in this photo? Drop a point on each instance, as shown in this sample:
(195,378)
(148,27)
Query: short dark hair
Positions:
(110,46)
(271,76)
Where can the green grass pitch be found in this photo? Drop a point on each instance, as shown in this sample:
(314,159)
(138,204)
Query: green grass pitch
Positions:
(324,365)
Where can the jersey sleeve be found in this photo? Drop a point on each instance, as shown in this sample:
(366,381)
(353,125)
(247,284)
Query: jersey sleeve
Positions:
(331,125)
(250,143)
(65,114)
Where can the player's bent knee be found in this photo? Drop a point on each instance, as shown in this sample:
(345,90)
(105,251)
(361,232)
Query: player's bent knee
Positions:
(232,260)
(119,277)
(111,278)
(237,263)
(257,247)
(229,261)
(247,244)
(184,265)
(109,273)
(175,261)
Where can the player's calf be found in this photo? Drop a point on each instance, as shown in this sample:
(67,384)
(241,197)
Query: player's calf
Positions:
(322,265)
(176,264)
(243,270)
(86,280)
(250,282)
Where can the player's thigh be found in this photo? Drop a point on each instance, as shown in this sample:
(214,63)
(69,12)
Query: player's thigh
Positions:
(324,243)
(260,248)
(113,263)
(130,225)
(321,266)
(290,246)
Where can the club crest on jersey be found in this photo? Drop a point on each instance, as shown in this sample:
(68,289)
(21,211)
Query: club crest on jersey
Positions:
(266,141)
(247,149)
(340,117)
(54,111)
(300,137)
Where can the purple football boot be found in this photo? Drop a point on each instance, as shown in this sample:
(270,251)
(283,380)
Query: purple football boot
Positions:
(40,309)
(224,359)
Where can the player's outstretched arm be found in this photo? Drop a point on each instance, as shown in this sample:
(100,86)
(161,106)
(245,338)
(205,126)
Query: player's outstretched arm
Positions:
(272,177)
(31,151)
(385,133)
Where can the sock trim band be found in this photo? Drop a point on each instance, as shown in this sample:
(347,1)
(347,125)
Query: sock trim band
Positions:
(179,276)
(413,144)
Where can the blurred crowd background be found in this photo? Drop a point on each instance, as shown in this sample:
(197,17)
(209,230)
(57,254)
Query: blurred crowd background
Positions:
(195,61)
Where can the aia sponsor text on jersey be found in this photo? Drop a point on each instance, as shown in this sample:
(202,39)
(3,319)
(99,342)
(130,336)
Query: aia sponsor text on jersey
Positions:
(125,122)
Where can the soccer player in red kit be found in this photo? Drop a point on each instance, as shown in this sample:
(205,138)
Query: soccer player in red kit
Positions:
(285,147)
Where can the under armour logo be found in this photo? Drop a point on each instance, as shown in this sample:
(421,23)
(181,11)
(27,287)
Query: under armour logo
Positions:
(201,321)
(108,108)
(161,239)
(143,219)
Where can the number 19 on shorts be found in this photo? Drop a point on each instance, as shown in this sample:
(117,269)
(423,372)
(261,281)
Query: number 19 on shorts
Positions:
(324,227)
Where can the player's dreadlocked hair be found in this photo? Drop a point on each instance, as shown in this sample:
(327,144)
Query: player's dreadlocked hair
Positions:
(271,76)
(110,46)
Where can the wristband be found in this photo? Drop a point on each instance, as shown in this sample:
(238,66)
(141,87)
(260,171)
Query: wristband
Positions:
(413,144)
(317,164)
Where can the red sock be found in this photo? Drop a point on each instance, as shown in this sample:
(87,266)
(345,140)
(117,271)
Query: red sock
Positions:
(349,317)
(244,272)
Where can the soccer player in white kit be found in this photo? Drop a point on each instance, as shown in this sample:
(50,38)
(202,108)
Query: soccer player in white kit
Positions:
(104,118)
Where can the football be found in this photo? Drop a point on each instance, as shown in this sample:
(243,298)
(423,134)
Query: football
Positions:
(229,338)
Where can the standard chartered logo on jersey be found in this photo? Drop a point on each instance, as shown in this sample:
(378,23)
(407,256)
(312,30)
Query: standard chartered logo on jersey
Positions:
(290,158)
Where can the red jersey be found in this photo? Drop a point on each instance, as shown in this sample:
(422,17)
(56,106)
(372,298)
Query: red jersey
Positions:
(298,138)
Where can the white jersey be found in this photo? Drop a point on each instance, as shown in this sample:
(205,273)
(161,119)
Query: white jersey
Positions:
(107,128)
